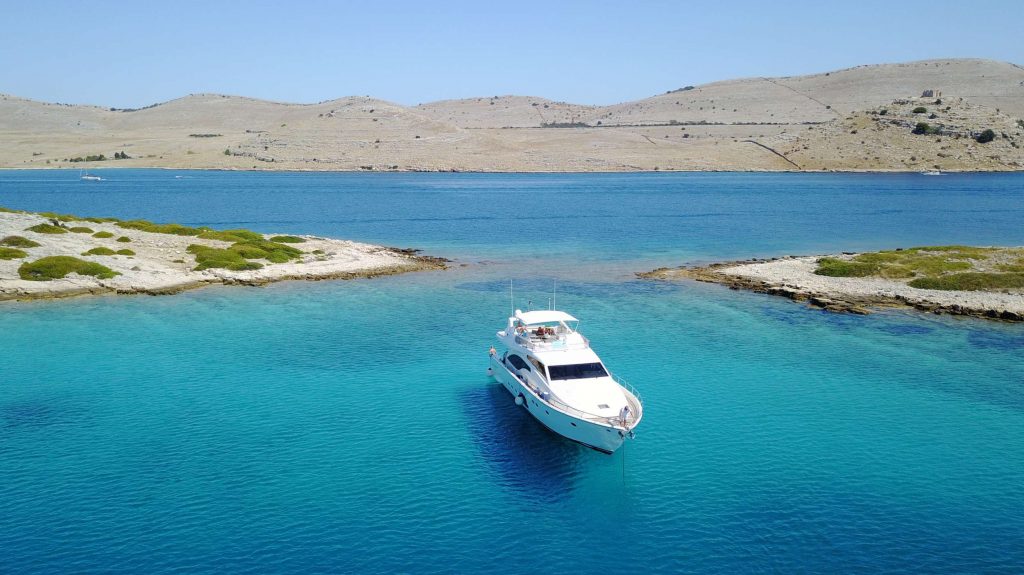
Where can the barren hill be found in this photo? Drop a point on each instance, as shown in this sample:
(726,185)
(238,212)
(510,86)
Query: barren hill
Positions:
(828,121)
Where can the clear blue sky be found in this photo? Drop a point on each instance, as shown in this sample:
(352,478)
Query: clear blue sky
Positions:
(131,53)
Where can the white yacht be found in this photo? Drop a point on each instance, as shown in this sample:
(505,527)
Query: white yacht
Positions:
(88,177)
(549,368)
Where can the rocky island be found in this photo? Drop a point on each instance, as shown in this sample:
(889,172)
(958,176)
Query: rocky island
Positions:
(985,282)
(47,255)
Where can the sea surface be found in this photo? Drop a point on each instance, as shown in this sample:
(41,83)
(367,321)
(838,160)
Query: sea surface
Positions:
(349,426)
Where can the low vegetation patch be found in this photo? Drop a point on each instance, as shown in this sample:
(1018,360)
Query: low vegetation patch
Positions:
(101,251)
(935,267)
(124,239)
(18,242)
(147,226)
(230,235)
(207,257)
(203,232)
(47,229)
(971,281)
(266,250)
(11,253)
(57,267)
(80,230)
(837,268)
(103,235)
(238,255)
(564,125)
(287,239)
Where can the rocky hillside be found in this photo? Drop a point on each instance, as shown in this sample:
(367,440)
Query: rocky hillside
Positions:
(855,119)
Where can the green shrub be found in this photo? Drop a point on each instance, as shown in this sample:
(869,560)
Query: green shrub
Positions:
(147,226)
(60,217)
(11,253)
(934,265)
(18,242)
(263,249)
(231,235)
(833,267)
(920,110)
(970,281)
(125,252)
(878,257)
(925,128)
(985,137)
(80,230)
(101,220)
(47,229)
(56,267)
(100,251)
(287,239)
(124,239)
(103,235)
(207,257)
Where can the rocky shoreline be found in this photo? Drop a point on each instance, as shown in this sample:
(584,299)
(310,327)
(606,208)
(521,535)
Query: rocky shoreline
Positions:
(792,277)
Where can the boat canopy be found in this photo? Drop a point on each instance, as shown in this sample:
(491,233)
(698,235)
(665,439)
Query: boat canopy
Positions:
(542,316)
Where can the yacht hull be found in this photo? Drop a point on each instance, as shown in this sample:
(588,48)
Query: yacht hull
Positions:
(603,438)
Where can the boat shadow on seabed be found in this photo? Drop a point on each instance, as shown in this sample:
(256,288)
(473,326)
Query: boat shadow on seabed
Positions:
(528,457)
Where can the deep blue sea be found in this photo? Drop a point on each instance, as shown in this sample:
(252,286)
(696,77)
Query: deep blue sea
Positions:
(349,426)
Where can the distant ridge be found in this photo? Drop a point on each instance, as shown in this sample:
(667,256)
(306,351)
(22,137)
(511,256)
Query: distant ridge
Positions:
(812,122)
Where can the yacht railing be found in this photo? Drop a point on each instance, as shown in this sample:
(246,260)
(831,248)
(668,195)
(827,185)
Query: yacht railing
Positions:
(632,399)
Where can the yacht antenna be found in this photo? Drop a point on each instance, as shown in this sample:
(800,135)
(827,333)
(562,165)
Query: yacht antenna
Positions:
(512,298)
(554,289)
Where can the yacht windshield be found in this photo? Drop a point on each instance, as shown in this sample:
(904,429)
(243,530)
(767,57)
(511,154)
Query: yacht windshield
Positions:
(577,371)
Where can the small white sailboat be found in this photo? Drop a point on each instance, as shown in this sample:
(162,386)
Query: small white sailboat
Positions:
(550,369)
(932,173)
(82,175)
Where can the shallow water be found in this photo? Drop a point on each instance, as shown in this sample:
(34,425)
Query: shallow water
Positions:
(348,426)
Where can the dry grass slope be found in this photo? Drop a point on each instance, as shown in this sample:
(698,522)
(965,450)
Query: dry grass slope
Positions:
(827,121)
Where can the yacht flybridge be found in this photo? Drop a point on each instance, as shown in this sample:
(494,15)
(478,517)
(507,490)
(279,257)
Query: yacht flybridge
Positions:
(549,368)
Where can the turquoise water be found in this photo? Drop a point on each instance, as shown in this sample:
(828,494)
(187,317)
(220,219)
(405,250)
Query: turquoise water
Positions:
(349,426)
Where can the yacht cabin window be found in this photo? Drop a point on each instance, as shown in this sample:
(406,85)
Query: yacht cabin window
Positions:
(577,371)
(517,362)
